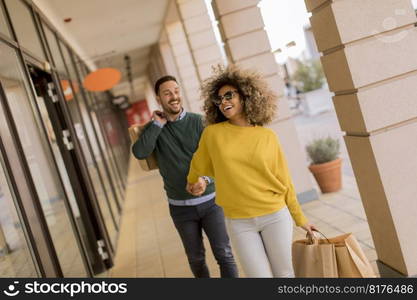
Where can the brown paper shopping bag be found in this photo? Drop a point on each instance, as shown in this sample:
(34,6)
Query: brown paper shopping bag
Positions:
(150,163)
(351,260)
(314,257)
(339,256)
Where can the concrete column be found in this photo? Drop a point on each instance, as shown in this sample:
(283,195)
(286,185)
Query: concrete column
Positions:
(248,46)
(167,55)
(184,60)
(369,57)
(201,35)
(161,63)
(156,67)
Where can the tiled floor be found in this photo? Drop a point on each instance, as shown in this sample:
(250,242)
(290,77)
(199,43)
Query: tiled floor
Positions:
(149,245)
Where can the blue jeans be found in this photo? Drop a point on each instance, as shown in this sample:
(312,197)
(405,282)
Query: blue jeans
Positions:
(207,216)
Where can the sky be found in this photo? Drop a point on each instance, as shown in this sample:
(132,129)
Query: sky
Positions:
(284,21)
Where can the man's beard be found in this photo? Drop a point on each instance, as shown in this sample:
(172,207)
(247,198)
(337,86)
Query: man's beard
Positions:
(168,109)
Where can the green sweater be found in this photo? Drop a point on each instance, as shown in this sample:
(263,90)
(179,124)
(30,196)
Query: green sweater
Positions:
(174,146)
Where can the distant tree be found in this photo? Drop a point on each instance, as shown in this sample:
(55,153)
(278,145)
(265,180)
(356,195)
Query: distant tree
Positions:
(309,76)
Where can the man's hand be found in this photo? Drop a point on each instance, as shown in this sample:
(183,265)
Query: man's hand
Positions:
(159,116)
(189,187)
(198,188)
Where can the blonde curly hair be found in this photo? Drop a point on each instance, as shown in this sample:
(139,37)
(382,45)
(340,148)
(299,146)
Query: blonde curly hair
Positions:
(259,101)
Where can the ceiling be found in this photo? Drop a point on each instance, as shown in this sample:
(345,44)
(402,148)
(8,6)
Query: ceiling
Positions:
(107,30)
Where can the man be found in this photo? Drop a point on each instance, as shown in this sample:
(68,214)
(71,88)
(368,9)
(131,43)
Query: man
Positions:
(174,135)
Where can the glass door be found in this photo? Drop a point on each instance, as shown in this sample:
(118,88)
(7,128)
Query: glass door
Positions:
(92,237)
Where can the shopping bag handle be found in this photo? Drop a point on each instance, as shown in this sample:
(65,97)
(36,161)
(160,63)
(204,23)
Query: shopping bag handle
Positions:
(312,238)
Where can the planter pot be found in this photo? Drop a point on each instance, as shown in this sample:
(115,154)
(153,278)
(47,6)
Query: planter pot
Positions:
(328,175)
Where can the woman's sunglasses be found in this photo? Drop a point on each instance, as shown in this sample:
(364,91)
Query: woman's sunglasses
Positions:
(227,96)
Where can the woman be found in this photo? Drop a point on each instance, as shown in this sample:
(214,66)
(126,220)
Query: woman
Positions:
(253,184)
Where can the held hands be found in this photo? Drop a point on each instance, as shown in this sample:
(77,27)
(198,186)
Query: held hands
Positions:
(198,188)
(159,116)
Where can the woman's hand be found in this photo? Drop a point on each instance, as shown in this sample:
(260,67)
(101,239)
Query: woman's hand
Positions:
(198,188)
(309,228)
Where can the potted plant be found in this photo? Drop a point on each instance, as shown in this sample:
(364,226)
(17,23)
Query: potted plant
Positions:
(326,163)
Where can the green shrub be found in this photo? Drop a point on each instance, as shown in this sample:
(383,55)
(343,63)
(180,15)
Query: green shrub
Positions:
(309,76)
(323,150)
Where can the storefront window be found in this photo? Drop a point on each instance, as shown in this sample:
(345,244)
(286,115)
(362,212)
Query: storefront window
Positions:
(15,257)
(96,136)
(3,25)
(53,46)
(97,173)
(110,160)
(41,165)
(24,27)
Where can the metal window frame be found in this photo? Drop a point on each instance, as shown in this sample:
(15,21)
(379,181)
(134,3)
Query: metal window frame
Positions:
(80,154)
(95,106)
(84,99)
(88,142)
(111,158)
(18,205)
(25,56)
(51,156)
(115,157)
(76,163)
(4,13)
(29,6)
(43,21)
(82,169)
(73,171)
(48,262)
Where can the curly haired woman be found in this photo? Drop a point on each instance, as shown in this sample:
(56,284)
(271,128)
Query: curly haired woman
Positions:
(253,184)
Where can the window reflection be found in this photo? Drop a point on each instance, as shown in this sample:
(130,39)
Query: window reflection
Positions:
(110,159)
(97,173)
(112,132)
(95,143)
(41,165)
(24,27)
(70,88)
(15,257)
(3,25)
(53,47)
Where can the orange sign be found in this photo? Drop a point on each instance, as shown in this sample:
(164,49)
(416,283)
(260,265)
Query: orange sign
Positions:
(66,88)
(102,79)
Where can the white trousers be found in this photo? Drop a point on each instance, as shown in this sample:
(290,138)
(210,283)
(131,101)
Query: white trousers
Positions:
(263,244)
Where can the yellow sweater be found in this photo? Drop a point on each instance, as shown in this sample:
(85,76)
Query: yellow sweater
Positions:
(251,173)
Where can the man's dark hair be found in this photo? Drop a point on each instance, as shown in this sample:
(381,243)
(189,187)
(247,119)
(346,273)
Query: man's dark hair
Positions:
(162,80)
